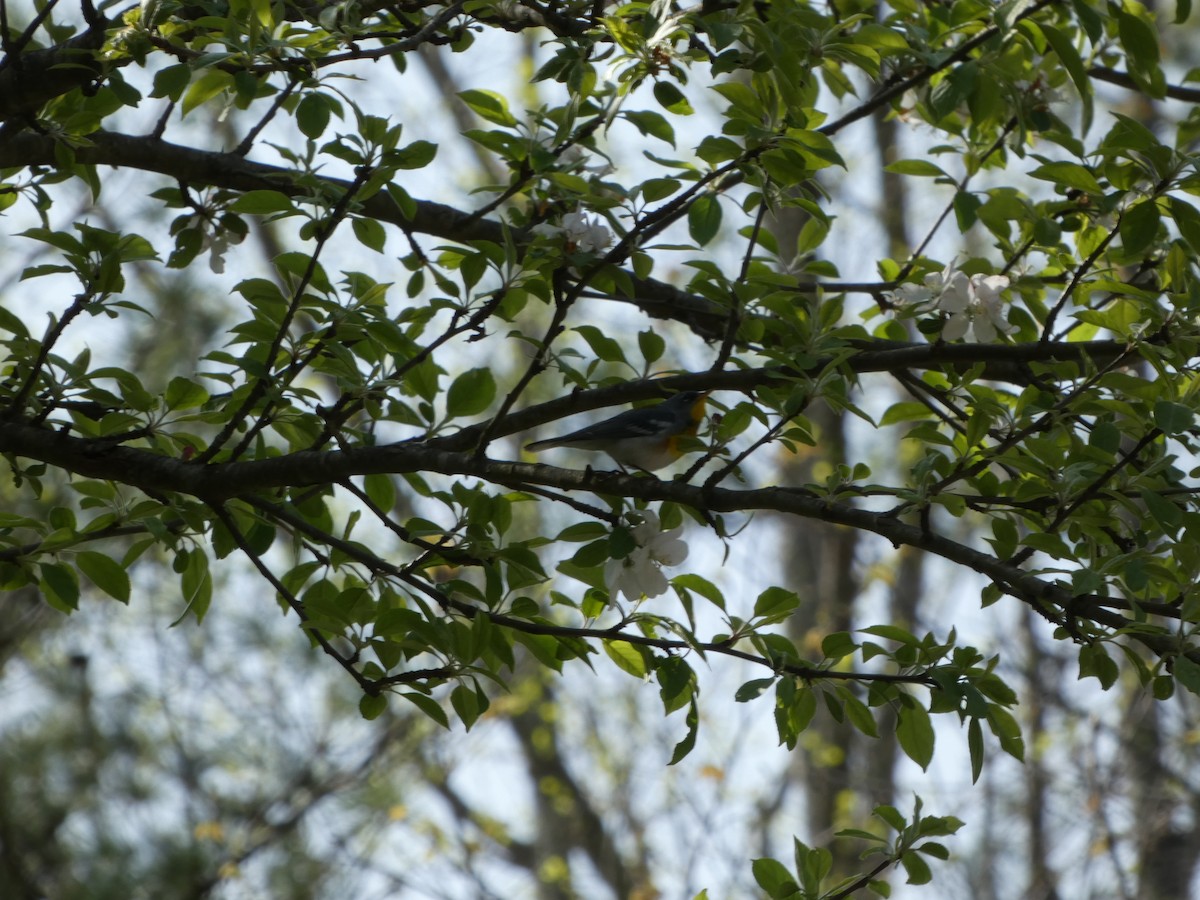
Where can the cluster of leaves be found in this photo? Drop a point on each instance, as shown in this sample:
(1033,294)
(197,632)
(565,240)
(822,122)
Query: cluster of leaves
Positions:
(813,865)
(340,419)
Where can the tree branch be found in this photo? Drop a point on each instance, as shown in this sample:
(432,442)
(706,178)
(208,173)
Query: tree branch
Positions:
(218,482)
(217,168)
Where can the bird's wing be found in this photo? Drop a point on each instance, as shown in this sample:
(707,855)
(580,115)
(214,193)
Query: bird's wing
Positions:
(631,423)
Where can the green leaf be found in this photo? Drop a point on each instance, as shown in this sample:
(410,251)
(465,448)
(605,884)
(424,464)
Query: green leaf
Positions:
(966,209)
(369,233)
(775,602)
(1187,219)
(429,706)
(882,39)
(1069,57)
(312,115)
(403,200)
(262,203)
(794,710)
(602,346)
(488,105)
(372,707)
(262,12)
(628,657)
(838,645)
(906,411)
(652,345)
(916,868)
(892,633)
(1173,418)
(677,683)
(651,123)
(920,167)
(975,745)
(812,235)
(1130,134)
(715,150)
(1068,174)
(672,99)
(704,218)
(1168,516)
(934,849)
(752,689)
(1139,39)
(471,393)
(59,586)
(818,149)
(171,81)
(1094,661)
(466,704)
(814,865)
(381,490)
(1139,227)
(914,731)
(958,87)
(685,746)
(196,586)
(658,188)
(891,816)
(12,324)
(1186,673)
(582,531)
(858,714)
(774,878)
(699,585)
(204,88)
(182,393)
(416,155)
(106,573)
(1005,727)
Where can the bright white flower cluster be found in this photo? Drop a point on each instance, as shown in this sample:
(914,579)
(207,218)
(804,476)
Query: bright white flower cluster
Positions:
(973,302)
(640,573)
(581,231)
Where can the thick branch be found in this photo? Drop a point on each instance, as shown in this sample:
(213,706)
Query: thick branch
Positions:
(154,472)
(1125,80)
(655,298)
(229,170)
(30,80)
(216,482)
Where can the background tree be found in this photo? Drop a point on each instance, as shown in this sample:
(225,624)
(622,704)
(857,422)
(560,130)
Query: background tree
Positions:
(675,198)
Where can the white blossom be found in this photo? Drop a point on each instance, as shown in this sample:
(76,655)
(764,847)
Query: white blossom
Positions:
(640,573)
(587,235)
(217,244)
(973,302)
(581,231)
(976,312)
(949,282)
(597,238)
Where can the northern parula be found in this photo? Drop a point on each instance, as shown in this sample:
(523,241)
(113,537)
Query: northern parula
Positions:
(647,438)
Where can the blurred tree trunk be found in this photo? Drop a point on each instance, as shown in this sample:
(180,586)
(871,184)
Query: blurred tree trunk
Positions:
(1167,840)
(1042,674)
(844,774)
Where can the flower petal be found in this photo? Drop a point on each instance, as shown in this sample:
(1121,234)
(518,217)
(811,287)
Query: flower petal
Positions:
(956,326)
(668,549)
(983,329)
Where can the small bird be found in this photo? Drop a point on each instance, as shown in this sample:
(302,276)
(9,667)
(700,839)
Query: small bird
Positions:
(647,438)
